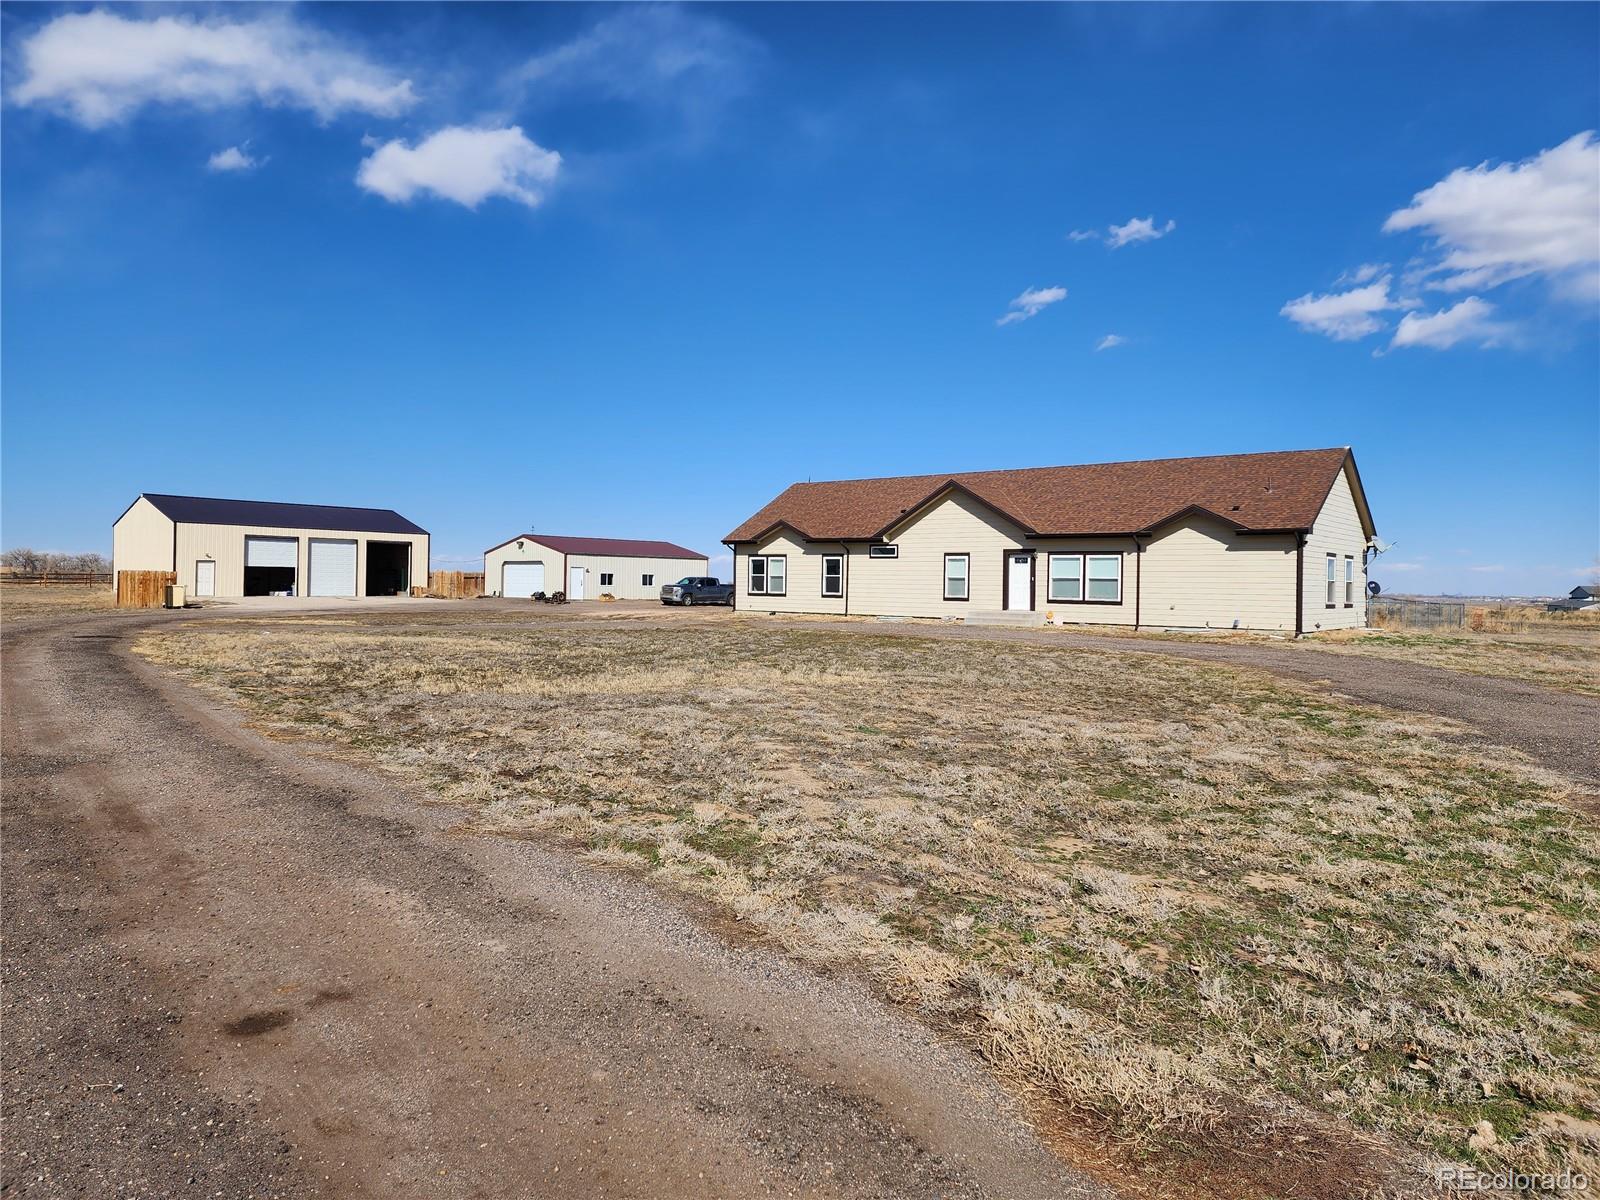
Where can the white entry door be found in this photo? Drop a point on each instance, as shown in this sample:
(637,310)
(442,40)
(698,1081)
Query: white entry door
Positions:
(575,577)
(1019,581)
(521,579)
(205,577)
(333,568)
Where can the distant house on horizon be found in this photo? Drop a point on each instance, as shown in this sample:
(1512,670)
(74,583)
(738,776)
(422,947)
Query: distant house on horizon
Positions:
(1578,599)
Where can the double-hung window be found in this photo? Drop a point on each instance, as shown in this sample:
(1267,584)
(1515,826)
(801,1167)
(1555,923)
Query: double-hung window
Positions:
(957,576)
(1349,581)
(1086,579)
(1066,578)
(833,575)
(1333,586)
(1105,578)
(769,575)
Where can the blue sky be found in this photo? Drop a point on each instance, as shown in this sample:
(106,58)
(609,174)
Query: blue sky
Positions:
(632,270)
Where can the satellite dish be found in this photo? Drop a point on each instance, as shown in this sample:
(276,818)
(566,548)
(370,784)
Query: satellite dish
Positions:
(1372,587)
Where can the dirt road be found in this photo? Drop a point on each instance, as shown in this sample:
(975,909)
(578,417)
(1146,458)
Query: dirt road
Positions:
(232,970)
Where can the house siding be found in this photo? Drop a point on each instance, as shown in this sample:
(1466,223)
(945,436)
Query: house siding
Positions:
(1338,531)
(1096,612)
(803,592)
(224,545)
(911,585)
(141,540)
(1201,574)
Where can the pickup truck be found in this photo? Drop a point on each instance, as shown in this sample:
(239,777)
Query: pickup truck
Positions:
(697,589)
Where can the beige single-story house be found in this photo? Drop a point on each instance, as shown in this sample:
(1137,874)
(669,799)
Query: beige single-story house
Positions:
(586,568)
(230,548)
(1274,541)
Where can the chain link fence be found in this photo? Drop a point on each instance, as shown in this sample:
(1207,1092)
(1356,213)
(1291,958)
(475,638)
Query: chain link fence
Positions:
(1384,612)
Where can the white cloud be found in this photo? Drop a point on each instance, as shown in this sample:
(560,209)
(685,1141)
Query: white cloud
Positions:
(462,164)
(234,158)
(1110,340)
(1083,235)
(1491,225)
(1138,229)
(1343,316)
(1488,568)
(1365,273)
(1031,303)
(1385,565)
(100,67)
(1469,321)
(680,63)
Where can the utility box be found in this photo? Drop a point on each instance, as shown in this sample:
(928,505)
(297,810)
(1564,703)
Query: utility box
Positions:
(175,596)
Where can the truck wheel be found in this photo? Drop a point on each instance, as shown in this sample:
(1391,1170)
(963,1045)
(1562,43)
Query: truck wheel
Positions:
(688,600)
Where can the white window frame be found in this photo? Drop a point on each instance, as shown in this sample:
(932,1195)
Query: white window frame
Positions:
(647,580)
(881,551)
(1050,580)
(966,576)
(1349,581)
(1332,597)
(766,588)
(606,578)
(1089,577)
(838,579)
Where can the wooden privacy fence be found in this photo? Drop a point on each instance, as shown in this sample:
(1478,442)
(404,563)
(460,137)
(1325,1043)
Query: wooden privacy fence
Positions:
(455,585)
(143,589)
(1385,612)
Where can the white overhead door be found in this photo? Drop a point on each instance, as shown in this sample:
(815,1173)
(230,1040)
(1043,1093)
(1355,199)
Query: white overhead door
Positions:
(205,577)
(522,579)
(271,552)
(333,568)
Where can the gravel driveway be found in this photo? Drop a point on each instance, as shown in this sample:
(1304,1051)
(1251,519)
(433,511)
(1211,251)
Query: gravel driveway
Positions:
(234,970)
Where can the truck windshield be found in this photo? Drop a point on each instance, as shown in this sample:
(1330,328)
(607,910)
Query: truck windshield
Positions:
(686,581)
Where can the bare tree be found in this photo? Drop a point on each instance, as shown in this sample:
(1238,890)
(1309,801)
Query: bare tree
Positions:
(26,560)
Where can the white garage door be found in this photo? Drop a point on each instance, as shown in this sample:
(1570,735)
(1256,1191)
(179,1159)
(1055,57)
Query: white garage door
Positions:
(271,552)
(333,568)
(522,579)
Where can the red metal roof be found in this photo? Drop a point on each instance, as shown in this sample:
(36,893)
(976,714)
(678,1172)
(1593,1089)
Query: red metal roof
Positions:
(604,547)
(1282,490)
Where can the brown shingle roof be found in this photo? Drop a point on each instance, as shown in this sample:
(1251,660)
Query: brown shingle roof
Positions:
(1282,490)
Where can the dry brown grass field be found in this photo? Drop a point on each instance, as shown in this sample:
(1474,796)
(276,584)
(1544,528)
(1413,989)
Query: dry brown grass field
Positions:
(1183,903)
(1562,652)
(20,600)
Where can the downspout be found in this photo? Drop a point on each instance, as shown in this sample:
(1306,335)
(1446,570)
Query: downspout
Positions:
(733,573)
(1138,579)
(844,571)
(1299,584)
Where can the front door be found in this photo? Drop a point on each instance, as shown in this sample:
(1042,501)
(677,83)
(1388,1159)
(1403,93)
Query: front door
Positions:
(575,583)
(1019,580)
(205,577)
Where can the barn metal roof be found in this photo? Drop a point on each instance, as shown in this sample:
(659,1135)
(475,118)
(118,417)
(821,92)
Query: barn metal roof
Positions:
(206,510)
(603,547)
